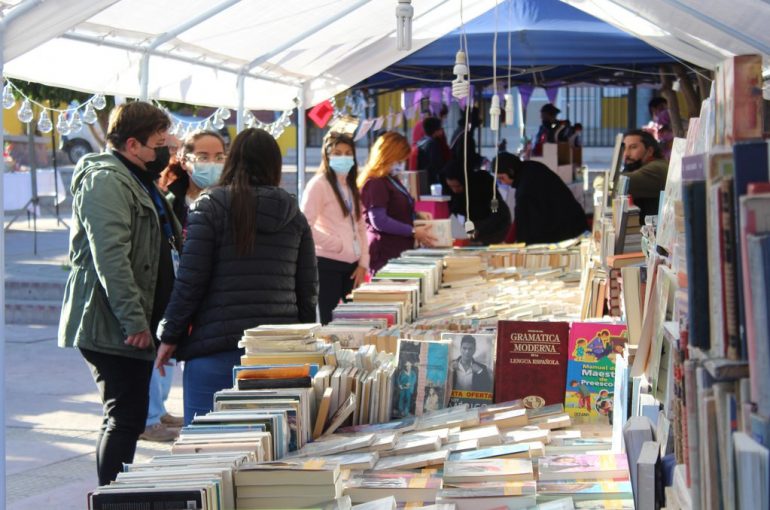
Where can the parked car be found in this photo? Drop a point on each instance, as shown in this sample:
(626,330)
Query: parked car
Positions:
(77,145)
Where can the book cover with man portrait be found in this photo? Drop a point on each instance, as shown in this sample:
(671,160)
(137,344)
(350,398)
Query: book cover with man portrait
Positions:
(471,368)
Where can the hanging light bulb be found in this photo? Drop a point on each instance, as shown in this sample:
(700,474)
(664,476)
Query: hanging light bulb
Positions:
(494,113)
(287,121)
(172,129)
(461,88)
(44,124)
(248,118)
(25,113)
(224,113)
(218,122)
(509,110)
(207,126)
(404,14)
(99,101)
(8,100)
(76,124)
(62,126)
(89,114)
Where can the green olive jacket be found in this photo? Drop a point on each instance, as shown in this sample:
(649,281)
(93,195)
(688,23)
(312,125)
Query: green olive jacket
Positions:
(114,252)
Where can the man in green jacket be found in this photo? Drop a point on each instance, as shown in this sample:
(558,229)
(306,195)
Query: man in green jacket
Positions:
(123,245)
(646,170)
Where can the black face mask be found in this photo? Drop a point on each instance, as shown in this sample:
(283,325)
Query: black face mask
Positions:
(156,166)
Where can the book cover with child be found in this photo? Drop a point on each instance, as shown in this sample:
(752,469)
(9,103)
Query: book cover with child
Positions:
(591,368)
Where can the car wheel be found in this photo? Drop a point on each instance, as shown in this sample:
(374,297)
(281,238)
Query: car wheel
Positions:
(78,148)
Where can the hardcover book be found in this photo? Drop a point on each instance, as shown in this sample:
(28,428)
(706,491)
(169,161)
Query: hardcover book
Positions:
(531,362)
(590,382)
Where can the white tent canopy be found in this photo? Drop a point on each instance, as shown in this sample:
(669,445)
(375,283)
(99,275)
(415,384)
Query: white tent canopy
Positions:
(194,51)
(703,32)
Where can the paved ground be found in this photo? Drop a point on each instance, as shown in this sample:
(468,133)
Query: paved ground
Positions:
(52,407)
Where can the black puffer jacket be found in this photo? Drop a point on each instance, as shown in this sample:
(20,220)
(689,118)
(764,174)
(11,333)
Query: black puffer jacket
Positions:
(218,294)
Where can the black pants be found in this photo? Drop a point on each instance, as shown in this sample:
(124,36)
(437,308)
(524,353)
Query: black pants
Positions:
(334,283)
(124,386)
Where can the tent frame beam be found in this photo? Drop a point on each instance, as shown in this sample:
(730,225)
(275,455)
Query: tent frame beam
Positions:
(144,75)
(304,35)
(156,53)
(728,30)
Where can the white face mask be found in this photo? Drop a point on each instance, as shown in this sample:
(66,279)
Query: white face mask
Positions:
(397,168)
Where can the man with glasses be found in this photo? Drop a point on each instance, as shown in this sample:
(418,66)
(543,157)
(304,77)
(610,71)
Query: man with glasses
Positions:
(123,245)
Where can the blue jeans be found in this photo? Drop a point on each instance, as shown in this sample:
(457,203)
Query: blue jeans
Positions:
(203,377)
(160,386)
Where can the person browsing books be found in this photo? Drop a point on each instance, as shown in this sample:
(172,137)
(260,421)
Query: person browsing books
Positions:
(646,170)
(248,260)
(388,206)
(546,211)
(490,226)
(332,205)
(122,245)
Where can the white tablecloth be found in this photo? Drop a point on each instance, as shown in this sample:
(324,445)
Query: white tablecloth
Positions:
(17,188)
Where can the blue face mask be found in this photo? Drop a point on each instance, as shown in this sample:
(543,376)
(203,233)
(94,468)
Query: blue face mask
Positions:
(341,164)
(205,175)
(397,168)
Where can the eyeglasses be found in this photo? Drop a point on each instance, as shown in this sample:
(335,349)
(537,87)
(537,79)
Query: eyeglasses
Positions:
(205,158)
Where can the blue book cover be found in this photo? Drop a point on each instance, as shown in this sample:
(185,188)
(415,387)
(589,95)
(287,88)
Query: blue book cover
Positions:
(751,165)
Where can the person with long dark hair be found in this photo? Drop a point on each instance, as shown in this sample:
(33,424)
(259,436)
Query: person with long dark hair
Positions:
(248,260)
(332,205)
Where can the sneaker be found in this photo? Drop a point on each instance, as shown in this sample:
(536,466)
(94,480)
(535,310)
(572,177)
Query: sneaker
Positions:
(159,433)
(172,421)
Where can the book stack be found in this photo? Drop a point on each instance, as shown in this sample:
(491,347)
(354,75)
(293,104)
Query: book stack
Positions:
(586,477)
(565,254)
(628,237)
(488,483)
(462,267)
(406,296)
(291,483)
(277,344)
(173,481)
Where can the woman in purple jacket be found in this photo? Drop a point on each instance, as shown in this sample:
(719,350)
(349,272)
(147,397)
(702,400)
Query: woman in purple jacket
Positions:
(388,207)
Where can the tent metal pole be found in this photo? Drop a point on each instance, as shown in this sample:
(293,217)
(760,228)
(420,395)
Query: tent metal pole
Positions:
(144,77)
(301,142)
(304,35)
(240,120)
(3,26)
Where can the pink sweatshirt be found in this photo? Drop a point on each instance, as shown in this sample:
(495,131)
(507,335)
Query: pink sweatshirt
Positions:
(333,233)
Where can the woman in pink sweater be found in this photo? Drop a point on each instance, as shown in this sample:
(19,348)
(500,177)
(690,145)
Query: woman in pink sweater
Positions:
(332,206)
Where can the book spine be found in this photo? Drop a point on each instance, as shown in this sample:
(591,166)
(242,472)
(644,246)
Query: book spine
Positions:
(693,453)
(751,165)
(694,201)
(733,344)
